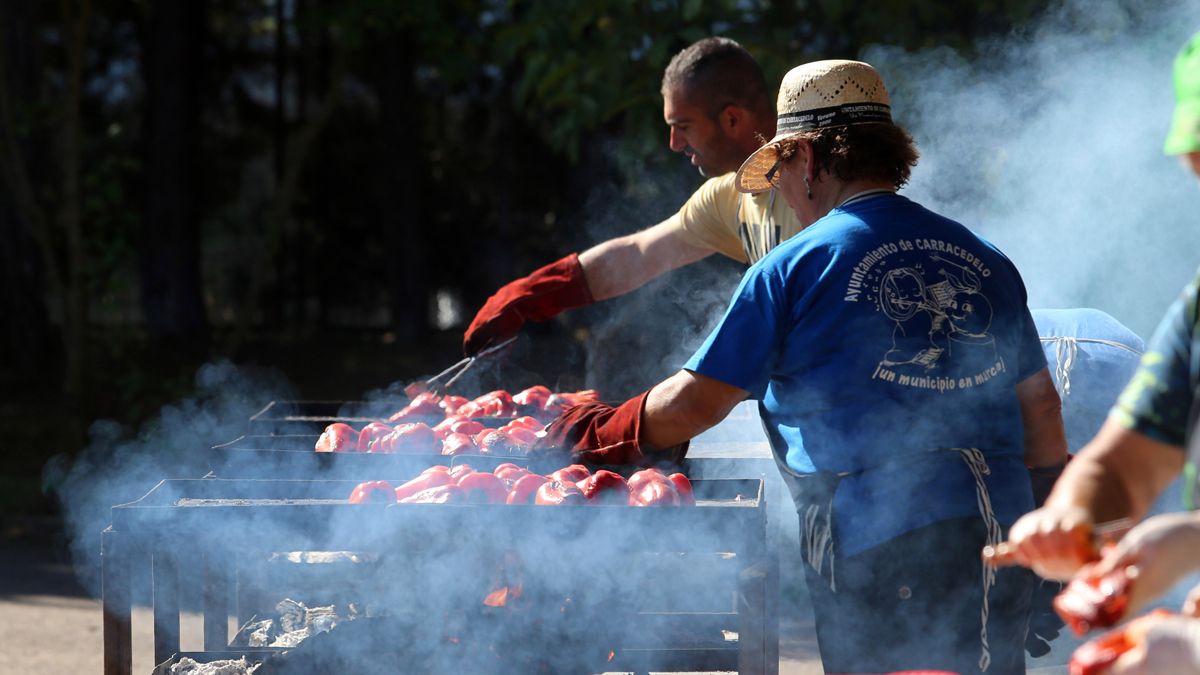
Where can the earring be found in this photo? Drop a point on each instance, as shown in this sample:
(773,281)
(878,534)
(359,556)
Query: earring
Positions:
(808,188)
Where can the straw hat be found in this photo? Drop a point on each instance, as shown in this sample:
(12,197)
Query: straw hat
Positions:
(1184,136)
(813,96)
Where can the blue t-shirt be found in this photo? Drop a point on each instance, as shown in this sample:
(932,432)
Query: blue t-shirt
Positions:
(880,333)
(1091,357)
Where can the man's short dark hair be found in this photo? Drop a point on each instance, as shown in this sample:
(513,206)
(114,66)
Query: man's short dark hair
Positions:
(716,72)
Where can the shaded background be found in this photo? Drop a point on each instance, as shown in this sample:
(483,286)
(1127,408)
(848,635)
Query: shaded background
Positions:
(208,204)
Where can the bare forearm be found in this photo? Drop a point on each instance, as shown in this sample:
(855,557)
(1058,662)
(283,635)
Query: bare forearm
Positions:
(1119,473)
(619,266)
(685,405)
(1041,414)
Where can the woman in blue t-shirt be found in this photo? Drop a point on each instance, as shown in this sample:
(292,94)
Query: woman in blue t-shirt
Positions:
(901,382)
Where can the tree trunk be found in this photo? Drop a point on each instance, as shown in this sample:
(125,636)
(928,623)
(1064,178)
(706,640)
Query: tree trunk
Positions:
(27,340)
(169,255)
(404,226)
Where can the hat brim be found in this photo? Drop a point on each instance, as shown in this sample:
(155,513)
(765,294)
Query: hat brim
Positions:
(752,176)
(1184,136)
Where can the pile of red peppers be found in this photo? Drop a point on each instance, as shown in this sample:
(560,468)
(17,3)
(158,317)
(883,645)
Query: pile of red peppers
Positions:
(512,484)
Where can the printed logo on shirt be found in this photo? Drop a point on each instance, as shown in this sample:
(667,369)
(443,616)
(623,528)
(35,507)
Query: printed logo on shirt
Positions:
(758,239)
(930,291)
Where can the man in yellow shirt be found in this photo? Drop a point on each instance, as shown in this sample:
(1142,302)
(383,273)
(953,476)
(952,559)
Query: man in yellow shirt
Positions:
(718,108)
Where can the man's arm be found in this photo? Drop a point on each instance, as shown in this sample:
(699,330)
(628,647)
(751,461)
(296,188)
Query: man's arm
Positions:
(684,406)
(606,270)
(624,264)
(1118,474)
(1041,414)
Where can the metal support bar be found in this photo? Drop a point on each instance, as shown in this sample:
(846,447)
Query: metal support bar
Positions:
(166,604)
(117,605)
(216,602)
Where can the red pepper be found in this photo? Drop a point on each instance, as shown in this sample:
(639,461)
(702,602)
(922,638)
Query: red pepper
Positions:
(443,494)
(450,403)
(423,405)
(459,470)
(373,491)
(684,487)
(497,403)
(649,487)
(459,444)
(533,397)
(496,442)
(519,435)
(338,437)
(430,479)
(1095,655)
(556,492)
(528,422)
(524,488)
(605,487)
(468,427)
(372,433)
(509,471)
(412,439)
(442,429)
(571,474)
(468,410)
(483,488)
(1094,602)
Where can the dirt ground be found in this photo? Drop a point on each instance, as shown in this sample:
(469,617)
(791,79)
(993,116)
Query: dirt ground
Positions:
(49,625)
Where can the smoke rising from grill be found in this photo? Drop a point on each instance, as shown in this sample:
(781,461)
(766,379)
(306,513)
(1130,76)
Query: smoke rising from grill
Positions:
(119,465)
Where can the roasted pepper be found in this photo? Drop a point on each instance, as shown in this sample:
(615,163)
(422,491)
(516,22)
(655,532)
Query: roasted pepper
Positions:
(509,471)
(524,488)
(338,437)
(423,405)
(413,439)
(683,486)
(432,477)
(1094,602)
(555,492)
(649,487)
(483,488)
(1095,655)
(371,434)
(571,474)
(605,487)
(443,494)
(373,492)
(459,444)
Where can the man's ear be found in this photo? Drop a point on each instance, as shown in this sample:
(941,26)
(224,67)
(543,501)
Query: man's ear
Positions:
(734,120)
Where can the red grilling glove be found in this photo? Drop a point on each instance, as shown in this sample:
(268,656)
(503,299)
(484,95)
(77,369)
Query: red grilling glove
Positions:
(540,296)
(597,433)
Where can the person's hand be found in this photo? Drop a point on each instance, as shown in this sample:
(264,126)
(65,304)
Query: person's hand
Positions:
(1053,541)
(1163,550)
(597,433)
(1191,604)
(541,296)
(1170,646)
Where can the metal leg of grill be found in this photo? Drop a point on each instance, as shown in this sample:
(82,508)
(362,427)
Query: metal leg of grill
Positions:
(755,620)
(166,605)
(115,593)
(250,578)
(216,603)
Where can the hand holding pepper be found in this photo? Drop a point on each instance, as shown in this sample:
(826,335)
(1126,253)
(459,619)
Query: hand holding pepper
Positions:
(597,433)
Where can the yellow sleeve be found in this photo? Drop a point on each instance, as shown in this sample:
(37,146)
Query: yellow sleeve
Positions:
(709,218)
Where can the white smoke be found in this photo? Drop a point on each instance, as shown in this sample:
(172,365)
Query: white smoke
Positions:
(1050,145)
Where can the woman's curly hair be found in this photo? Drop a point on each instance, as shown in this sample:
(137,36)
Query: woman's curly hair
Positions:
(861,151)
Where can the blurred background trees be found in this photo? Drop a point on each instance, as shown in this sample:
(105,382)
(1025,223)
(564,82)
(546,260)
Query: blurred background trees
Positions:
(332,189)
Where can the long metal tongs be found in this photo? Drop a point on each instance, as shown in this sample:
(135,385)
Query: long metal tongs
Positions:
(435,383)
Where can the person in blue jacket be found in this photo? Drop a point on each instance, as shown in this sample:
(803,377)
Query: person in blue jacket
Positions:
(1091,357)
(901,381)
